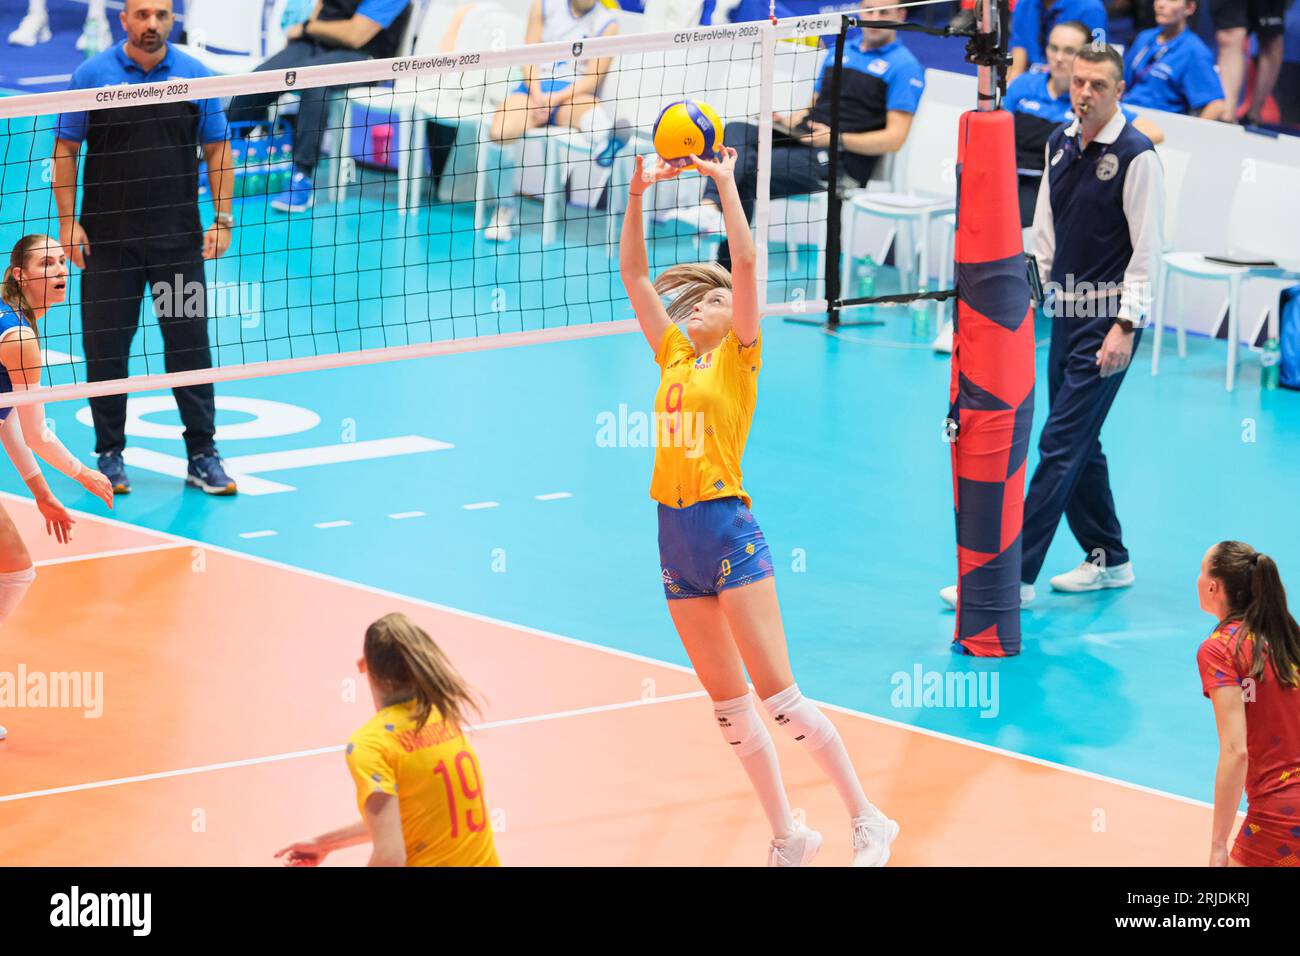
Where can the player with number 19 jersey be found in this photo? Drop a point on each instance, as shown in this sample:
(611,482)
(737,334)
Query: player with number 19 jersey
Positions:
(434,774)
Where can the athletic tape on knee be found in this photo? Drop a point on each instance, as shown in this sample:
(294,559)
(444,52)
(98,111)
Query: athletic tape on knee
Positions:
(741,725)
(800,716)
(13,586)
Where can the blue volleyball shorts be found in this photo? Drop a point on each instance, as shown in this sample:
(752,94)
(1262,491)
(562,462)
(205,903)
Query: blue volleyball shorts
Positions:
(710,546)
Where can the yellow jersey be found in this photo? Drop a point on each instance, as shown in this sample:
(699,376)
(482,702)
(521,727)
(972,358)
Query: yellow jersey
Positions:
(703,410)
(435,777)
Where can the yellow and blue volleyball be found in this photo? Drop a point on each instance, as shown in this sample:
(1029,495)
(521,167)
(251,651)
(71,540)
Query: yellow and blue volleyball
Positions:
(686,128)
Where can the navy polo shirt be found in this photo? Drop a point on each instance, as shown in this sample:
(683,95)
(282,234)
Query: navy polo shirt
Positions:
(1032,21)
(1177,76)
(1086,190)
(1037,115)
(141,171)
(872,82)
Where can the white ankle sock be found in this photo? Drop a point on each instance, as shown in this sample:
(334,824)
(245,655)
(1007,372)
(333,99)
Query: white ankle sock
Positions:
(13,587)
(743,728)
(813,729)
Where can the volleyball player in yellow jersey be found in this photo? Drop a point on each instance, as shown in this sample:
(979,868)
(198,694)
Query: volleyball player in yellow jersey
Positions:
(419,787)
(717,570)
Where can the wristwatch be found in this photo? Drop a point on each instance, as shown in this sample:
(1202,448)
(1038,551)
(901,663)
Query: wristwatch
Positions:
(224,219)
(1126,325)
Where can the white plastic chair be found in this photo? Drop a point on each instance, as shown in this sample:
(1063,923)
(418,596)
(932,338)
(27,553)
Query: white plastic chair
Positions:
(233,36)
(458,98)
(1262,226)
(926,181)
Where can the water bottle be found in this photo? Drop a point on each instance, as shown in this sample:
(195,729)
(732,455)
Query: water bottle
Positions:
(865,273)
(236,171)
(255,156)
(920,309)
(90,38)
(1270,361)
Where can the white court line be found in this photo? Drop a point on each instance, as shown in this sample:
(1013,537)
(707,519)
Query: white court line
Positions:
(553,496)
(120,552)
(333,524)
(337,748)
(616,652)
(259,534)
(403,515)
(480,505)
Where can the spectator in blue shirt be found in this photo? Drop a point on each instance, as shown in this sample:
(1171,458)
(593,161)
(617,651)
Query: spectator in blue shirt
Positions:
(880,87)
(1170,68)
(1032,21)
(338,31)
(139,226)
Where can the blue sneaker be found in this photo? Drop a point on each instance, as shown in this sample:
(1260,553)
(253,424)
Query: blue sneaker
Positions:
(111,467)
(298,197)
(619,137)
(206,472)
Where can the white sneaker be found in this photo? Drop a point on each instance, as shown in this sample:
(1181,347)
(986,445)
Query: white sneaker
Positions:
(797,849)
(943,341)
(949,594)
(872,837)
(498,230)
(1091,577)
(97,26)
(34,29)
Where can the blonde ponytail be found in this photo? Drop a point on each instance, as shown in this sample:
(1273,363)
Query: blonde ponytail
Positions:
(401,654)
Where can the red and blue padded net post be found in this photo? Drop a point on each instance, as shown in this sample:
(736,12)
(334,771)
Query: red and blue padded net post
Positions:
(992,390)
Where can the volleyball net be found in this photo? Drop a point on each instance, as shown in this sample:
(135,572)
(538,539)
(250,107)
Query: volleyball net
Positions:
(389,249)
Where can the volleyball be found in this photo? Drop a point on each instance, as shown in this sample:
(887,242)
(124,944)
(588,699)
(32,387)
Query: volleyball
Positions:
(686,128)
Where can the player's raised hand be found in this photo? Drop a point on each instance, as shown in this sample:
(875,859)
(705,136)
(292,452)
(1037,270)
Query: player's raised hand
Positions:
(717,169)
(645,176)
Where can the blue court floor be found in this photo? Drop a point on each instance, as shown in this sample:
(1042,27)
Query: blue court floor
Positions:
(514,482)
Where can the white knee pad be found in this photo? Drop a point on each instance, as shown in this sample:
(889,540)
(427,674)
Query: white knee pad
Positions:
(740,725)
(13,586)
(806,724)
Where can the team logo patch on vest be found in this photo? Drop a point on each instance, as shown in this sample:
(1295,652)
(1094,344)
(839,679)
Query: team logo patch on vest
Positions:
(878,67)
(1107,167)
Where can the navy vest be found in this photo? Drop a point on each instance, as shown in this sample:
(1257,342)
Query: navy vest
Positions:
(1087,195)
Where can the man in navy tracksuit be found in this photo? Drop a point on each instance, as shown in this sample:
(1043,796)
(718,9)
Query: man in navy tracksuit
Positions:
(1097,233)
